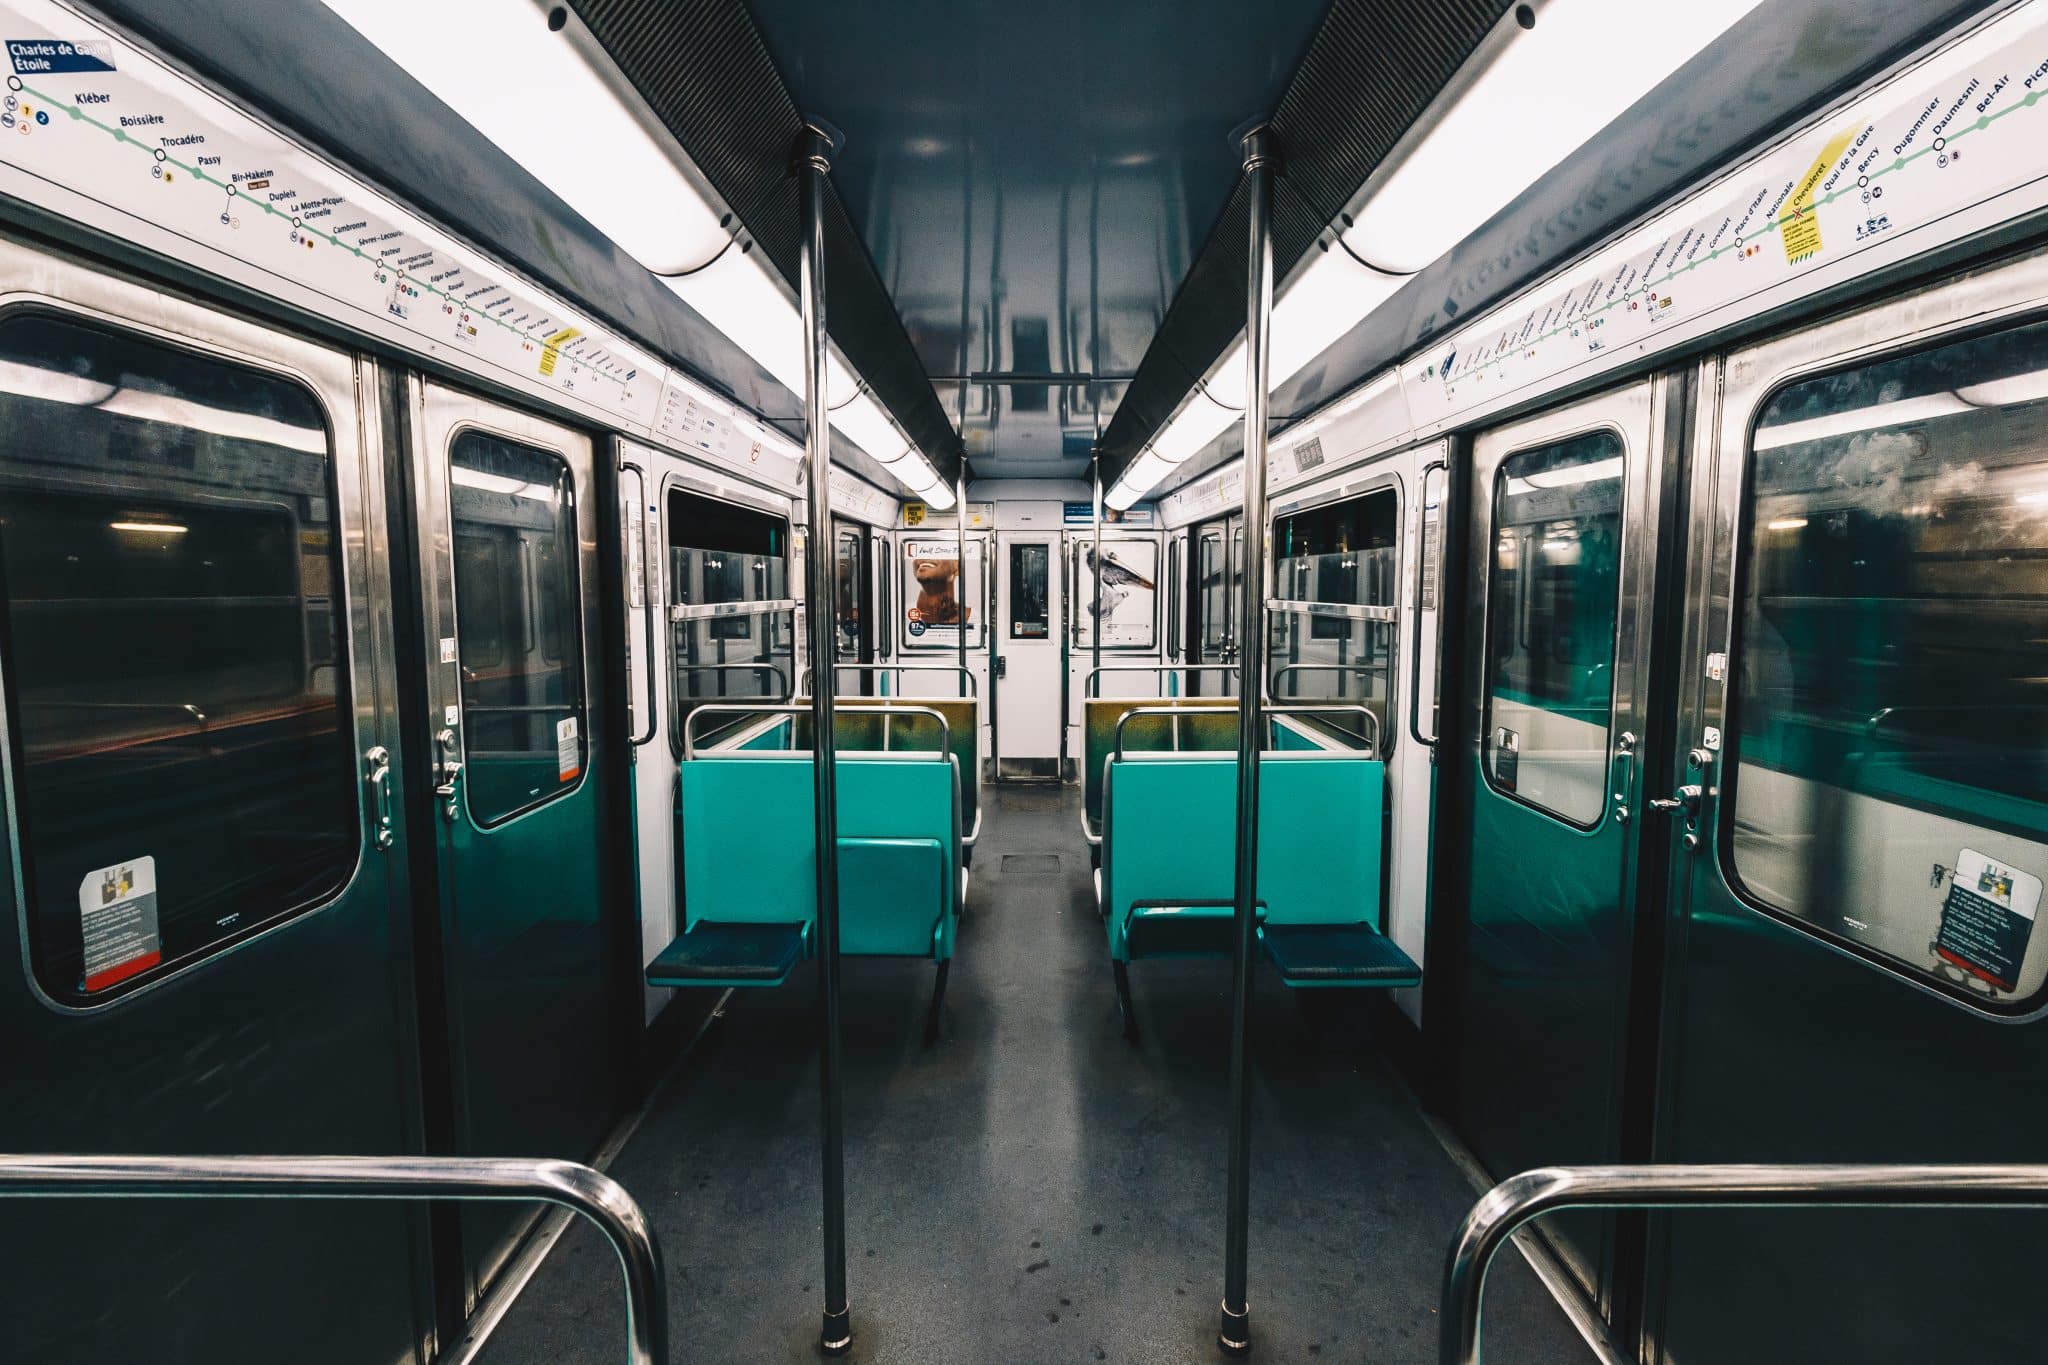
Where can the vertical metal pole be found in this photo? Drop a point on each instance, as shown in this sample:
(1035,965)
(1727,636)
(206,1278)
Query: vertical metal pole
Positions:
(815,147)
(1095,634)
(1235,1337)
(960,519)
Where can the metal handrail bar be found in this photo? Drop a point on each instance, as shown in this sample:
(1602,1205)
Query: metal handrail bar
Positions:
(1090,682)
(567,1184)
(781,674)
(1212,705)
(1322,708)
(865,708)
(1204,706)
(1273,681)
(1505,1208)
(973,687)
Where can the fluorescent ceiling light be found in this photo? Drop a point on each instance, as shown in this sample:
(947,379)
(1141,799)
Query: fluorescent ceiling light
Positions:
(531,92)
(1324,302)
(1526,113)
(1785,524)
(158,528)
(1121,497)
(595,146)
(1573,475)
(2008,392)
(1199,422)
(1900,412)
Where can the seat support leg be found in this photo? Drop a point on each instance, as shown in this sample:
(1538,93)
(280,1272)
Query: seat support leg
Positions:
(1123,999)
(931,1023)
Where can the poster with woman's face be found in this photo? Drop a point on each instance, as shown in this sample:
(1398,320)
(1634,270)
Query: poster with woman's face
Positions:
(1130,594)
(937,605)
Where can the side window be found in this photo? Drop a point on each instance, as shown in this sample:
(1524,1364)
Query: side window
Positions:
(184,761)
(732,621)
(1890,727)
(1336,581)
(1030,612)
(1551,596)
(514,513)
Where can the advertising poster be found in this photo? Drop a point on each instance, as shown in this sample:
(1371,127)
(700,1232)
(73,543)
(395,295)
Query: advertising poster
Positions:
(937,605)
(1130,594)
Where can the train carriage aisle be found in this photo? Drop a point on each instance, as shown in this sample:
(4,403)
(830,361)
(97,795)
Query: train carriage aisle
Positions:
(1033,1186)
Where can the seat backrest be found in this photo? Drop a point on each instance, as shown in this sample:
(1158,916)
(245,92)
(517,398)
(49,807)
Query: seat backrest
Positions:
(1169,835)
(1201,724)
(909,733)
(749,846)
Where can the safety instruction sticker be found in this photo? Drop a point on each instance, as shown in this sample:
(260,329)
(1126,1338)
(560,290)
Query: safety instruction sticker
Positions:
(1988,918)
(568,753)
(117,911)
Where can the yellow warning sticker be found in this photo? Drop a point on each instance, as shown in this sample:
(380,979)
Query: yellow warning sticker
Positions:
(1801,225)
(551,349)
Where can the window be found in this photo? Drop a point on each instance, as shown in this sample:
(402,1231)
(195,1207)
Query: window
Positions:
(733,622)
(850,578)
(1890,714)
(514,512)
(1030,614)
(1551,596)
(1335,579)
(184,760)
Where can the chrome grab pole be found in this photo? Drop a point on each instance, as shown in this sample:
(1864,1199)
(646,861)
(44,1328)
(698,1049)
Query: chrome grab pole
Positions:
(1505,1208)
(815,148)
(1234,1336)
(1095,612)
(960,520)
(575,1187)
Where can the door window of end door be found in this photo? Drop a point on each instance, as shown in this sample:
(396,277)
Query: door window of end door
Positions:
(1030,604)
(1553,589)
(517,625)
(1890,730)
(184,761)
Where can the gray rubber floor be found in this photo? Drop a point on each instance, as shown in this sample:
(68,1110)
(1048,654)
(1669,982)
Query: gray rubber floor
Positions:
(1033,1187)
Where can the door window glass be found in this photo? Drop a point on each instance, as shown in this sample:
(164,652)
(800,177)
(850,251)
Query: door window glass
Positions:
(184,763)
(733,623)
(1331,566)
(1551,597)
(1891,683)
(1030,613)
(850,570)
(514,514)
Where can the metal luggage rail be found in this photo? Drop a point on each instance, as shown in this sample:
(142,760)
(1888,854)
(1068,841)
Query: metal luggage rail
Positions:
(567,1184)
(1518,1200)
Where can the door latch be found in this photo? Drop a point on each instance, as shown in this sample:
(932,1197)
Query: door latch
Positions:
(449,774)
(1623,774)
(1686,798)
(377,772)
(1002,666)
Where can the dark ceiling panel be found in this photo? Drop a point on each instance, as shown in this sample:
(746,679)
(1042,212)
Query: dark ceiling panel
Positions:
(1780,65)
(1034,181)
(1371,70)
(703,69)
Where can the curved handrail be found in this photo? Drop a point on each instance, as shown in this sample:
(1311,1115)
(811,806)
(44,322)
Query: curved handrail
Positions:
(1367,670)
(945,749)
(781,674)
(1089,682)
(568,1184)
(1505,1208)
(1269,710)
(971,685)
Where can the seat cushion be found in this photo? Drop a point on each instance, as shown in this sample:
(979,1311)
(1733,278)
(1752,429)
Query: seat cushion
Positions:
(726,954)
(1337,955)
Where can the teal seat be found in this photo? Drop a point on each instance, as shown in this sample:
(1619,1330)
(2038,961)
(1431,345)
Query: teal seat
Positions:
(748,866)
(1169,859)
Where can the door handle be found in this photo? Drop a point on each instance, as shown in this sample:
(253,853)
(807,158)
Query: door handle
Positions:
(449,773)
(1623,774)
(377,772)
(1686,798)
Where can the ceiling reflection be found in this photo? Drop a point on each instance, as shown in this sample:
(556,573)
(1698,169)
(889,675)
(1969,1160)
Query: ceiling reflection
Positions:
(1033,182)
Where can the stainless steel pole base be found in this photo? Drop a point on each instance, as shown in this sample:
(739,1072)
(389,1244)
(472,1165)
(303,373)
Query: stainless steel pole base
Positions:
(837,1337)
(1234,1338)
